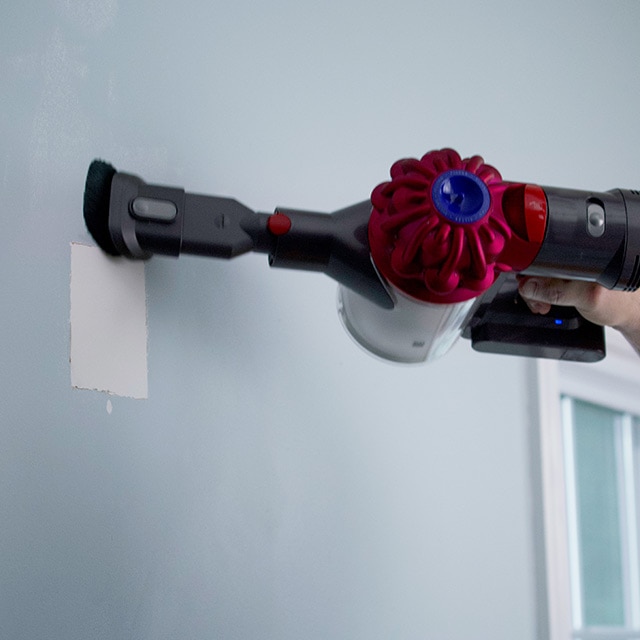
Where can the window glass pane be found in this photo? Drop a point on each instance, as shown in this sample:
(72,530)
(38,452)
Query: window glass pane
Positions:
(636,467)
(635,533)
(598,515)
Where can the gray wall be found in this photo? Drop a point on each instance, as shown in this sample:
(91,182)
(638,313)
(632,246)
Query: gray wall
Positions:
(278,482)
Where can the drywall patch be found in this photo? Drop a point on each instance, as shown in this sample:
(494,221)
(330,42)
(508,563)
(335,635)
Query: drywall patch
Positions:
(108,323)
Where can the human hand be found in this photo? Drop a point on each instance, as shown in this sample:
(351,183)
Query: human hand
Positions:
(617,309)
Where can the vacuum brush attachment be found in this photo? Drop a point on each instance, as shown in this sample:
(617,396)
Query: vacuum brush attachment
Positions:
(97,194)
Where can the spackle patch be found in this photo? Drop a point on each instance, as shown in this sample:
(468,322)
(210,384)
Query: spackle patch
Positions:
(109,407)
(108,323)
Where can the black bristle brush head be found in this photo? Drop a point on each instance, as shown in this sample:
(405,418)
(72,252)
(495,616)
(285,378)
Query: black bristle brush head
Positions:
(97,194)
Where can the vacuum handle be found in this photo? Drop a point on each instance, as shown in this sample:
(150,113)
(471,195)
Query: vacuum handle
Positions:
(591,236)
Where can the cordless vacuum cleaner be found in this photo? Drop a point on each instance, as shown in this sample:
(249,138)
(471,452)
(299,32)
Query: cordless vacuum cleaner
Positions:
(432,256)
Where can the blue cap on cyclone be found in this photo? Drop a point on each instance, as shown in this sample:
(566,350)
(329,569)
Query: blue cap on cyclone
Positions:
(460,196)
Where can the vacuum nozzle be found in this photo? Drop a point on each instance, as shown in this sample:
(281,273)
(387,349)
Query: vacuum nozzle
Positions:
(129,217)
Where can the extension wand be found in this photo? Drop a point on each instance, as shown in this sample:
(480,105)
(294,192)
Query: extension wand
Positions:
(431,256)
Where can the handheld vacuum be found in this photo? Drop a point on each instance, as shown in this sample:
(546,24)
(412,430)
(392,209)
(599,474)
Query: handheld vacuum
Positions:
(431,256)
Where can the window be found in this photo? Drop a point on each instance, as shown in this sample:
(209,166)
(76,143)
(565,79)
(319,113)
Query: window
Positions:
(590,455)
(601,453)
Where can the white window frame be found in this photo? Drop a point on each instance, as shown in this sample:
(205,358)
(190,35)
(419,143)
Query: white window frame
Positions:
(613,383)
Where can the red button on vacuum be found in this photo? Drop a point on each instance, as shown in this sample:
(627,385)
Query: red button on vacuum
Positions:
(278,224)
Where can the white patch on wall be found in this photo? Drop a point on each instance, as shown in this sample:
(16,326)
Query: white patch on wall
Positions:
(108,323)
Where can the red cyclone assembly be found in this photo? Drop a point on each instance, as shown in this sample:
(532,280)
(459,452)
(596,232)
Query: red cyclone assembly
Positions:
(443,228)
(440,233)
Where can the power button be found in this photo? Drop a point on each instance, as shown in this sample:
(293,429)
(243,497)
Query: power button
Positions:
(595,218)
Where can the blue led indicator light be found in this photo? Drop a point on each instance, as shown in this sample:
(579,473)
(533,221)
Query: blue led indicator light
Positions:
(558,321)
